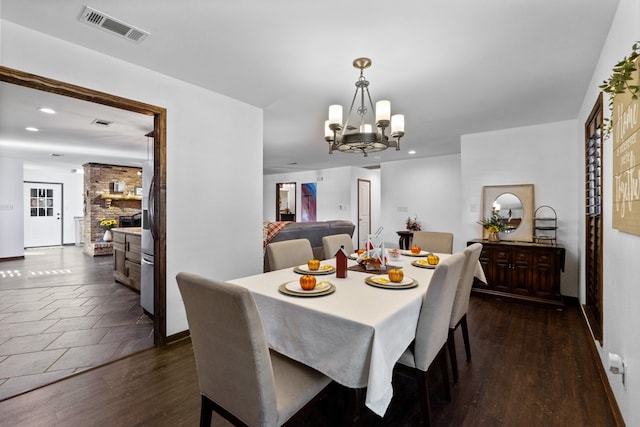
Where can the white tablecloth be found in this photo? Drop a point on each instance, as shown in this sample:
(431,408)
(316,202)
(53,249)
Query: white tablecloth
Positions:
(354,336)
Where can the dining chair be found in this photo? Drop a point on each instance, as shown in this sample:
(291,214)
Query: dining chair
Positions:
(289,253)
(239,376)
(461,305)
(331,244)
(432,330)
(434,241)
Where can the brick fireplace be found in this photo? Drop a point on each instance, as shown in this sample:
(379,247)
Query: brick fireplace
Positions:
(109,192)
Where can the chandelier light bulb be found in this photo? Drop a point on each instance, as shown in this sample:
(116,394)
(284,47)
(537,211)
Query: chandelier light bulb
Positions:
(335,114)
(365,128)
(397,124)
(383,111)
(328,133)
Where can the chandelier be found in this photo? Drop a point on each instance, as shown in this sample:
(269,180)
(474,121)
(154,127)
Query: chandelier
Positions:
(359,136)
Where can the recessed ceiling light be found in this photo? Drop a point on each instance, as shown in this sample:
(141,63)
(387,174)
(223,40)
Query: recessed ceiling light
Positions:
(32,129)
(47,110)
(412,151)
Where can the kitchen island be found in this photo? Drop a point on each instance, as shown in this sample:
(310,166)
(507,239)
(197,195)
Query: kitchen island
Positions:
(126,256)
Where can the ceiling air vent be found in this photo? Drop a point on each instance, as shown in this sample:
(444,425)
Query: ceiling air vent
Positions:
(114,26)
(101,122)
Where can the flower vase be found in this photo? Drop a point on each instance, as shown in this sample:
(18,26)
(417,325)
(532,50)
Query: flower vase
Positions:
(494,237)
(107,236)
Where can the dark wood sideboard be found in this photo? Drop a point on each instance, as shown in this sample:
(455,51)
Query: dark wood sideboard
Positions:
(522,271)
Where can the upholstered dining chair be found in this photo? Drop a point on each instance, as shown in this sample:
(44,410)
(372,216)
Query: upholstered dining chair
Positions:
(331,244)
(289,253)
(461,305)
(432,330)
(239,377)
(434,241)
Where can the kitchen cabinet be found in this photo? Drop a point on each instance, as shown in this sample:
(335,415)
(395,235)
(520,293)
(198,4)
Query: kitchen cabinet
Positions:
(522,271)
(126,256)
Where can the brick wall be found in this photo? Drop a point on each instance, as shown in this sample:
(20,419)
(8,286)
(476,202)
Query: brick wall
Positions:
(98,183)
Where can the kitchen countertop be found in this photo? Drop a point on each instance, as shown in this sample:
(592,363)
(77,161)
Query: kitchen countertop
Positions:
(129,230)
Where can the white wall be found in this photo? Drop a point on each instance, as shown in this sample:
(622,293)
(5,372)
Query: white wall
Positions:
(428,188)
(11,208)
(535,155)
(621,268)
(72,187)
(211,215)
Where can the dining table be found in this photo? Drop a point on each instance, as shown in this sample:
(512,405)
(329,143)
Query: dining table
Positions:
(353,329)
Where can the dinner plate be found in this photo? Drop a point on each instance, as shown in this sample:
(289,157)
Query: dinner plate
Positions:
(382,281)
(353,255)
(408,253)
(324,269)
(422,263)
(293,288)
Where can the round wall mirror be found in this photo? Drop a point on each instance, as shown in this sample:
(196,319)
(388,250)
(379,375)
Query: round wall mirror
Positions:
(508,207)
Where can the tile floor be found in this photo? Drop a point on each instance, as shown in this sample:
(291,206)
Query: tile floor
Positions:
(62,313)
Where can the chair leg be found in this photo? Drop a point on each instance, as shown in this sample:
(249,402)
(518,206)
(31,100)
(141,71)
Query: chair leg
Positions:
(444,369)
(465,335)
(451,341)
(206,412)
(423,396)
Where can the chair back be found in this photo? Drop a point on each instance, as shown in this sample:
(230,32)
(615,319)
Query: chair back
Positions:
(331,245)
(230,348)
(433,323)
(434,241)
(289,253)
(463,292)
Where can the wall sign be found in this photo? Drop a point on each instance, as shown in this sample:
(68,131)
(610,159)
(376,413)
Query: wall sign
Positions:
(626,161)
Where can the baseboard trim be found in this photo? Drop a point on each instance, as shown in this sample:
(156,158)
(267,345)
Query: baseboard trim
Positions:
(613,404)
(12,258)
(177,337)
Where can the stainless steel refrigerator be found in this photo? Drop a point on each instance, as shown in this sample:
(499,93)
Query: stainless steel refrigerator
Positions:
(146,284)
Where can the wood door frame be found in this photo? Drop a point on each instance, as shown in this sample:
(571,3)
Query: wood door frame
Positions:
(358,197)
(159,114)
(593,306)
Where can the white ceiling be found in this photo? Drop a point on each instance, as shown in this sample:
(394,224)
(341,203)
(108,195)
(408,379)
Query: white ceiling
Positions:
(452,68)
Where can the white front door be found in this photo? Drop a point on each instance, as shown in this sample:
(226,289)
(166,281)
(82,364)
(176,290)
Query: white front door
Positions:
(364,212)
(42,214)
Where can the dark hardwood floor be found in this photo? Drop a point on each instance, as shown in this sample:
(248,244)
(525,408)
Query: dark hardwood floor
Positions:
(531,367)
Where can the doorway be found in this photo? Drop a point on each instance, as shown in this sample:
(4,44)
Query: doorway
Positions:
(364,211)
(42,214)
(159,114)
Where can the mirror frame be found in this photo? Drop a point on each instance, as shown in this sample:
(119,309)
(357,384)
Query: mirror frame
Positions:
(524,232)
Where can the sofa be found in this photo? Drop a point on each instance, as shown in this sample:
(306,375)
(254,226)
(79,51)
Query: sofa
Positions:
(312,231)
